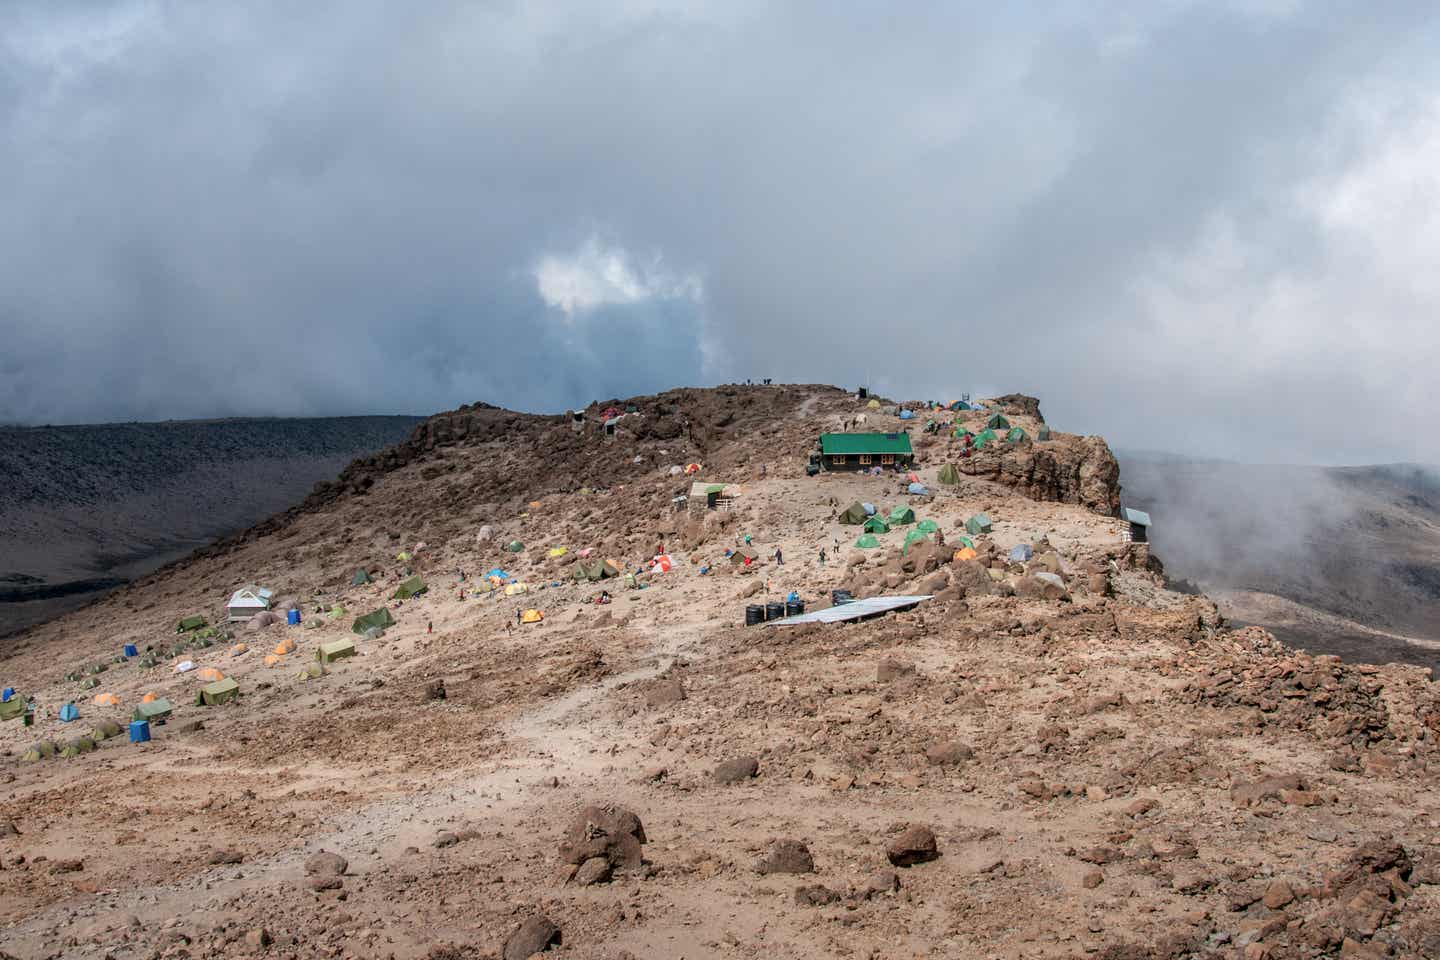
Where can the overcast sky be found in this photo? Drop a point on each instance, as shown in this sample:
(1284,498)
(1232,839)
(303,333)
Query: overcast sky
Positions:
(1202,227)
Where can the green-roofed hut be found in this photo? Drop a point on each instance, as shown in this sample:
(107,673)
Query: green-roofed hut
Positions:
(862,451)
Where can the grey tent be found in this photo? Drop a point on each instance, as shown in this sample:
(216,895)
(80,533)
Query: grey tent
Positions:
(412,587)
(1021,553)
(379,619)
(854,514)
(361,578)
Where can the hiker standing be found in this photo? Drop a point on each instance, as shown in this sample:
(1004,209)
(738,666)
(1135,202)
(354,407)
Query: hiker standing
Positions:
(517,614)
(822,556)
(779,558)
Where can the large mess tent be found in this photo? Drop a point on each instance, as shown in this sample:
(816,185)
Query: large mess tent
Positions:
(335,650)
(12,708)
(196,622)
(854,514)
(949,475)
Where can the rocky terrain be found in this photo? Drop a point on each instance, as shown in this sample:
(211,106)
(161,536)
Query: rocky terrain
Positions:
(83,509)
(1052,757)
(1342,560)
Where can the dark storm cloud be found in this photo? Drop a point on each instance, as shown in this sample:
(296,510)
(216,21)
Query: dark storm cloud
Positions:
(1160,217)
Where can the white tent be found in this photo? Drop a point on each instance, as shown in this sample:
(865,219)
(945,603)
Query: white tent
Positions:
(248,601)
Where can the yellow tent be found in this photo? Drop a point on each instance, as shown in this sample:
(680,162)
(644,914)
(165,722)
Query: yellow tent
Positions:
(515,589)
(873,404)
(559,551)
(531,616)
(403,556)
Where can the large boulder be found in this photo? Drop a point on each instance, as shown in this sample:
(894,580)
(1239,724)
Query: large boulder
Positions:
(971,578)
(606,831)
(531,937)
(916,844)
(786,856)
(1041,586)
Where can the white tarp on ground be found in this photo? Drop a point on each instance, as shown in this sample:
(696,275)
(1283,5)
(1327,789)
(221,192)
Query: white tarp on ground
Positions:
(855,610)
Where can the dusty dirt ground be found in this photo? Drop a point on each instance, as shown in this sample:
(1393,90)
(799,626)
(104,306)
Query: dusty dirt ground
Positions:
(1103,770)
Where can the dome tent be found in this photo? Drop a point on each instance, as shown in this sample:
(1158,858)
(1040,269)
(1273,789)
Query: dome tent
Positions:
(876,525)
(867,542)
(900,516)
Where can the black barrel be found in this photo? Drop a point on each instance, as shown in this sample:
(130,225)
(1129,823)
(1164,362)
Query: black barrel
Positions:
(793,608)
(838,597)
(754,614)
(774,611)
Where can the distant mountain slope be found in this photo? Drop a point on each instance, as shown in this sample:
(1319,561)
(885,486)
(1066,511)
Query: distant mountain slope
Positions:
(83,508)
(1359,543)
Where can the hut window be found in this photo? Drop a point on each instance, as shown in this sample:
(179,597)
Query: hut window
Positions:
(838,460)
(887,459)
(865,459)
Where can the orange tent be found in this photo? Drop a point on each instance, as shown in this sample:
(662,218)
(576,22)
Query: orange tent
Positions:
(285,646)
(966,553)
(150,698)
(271,659)
(107,700)
(210,675)
(238,649)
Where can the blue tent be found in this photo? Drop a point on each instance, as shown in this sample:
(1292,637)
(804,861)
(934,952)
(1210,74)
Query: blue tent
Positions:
(918,488)
(907,414)
(69,712)
(1021,553)
(869,509)
(497,572)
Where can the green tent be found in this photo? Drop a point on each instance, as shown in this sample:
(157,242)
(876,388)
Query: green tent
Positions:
(375,618)
(221,691)
(43,750)
(90,683)
(335,650)
(867,542)
(594,570)
(854,514)
(156,710)
(901,515)
(978,524)
(949,475)
(967,542)
(412,587)
(514,546)
(77,746)
(876,525)
(191,623)
(1043,433)
(997,422)
(148,661)
(927,526)
(12,708)
(914,536)
(361,578)
(104,730)
(984,438)
(1016,435)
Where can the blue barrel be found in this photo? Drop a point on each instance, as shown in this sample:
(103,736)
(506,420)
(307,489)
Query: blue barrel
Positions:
(292,616)
(140,731)
(130,650)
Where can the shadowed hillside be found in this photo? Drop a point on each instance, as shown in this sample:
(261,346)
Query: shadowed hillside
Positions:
(86,508)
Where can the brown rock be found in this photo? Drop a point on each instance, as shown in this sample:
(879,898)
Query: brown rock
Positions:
(592,871)
(226,856)
(815,895)
(67,866)
(881,882)
(1266,788)
(663,693)
(786,856)
(949,753)
(734,771)
(891,670)
(435,690)
(915,845)
(1101,855)
(325,882)
(258,939)
(531,937)
(326,864)
(606,831)
(1092,879)
(1278,894)
(1141,806)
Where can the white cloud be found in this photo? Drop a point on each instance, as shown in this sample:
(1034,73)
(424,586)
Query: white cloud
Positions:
(598,274)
